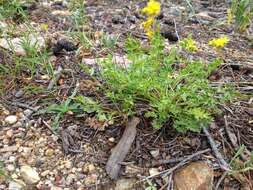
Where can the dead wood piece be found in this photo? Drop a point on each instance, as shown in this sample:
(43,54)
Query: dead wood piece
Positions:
(223,164)
(122,148)
(168,161)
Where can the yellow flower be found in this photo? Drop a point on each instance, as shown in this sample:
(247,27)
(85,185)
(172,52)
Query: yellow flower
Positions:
(150,33)
(147,25)
(44,27)
(219,43)
(189,44)
(153,8)
(229,16)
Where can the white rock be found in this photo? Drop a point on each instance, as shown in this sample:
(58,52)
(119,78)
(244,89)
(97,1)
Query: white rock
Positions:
(28,112)
(9,133)
(11,119)
(14,176)
(56,188)
(125,184)
(29,175)
(12,159)
(153,171)
(16,185)
(70,179)
(15,44)
(92,168)
(155,153)
(68,164)
(3,25)
(13,148)
(10,167)
(45,173)
(61,13)
(17,125)
(111,139)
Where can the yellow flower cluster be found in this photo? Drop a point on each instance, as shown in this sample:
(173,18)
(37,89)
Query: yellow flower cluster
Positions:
(152,10)
(189,44)
(219,43)
(229,16)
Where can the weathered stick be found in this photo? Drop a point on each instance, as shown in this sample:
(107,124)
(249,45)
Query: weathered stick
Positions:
(122,148)
(180,164)
(223,164)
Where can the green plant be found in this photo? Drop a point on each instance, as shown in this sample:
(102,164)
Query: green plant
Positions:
(2,171)
(172,89)
(12,9)
(61,110)
(36,58)
(77,8)
(242,10)
(109,41)
(237,165)
(150,186)
(189,44)
(88,105)
(33,89)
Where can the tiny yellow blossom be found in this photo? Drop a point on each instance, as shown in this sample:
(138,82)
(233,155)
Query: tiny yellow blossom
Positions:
(219,43)
(147,25)
(150,34)
(153,8)
(229,16)
(189,44)
(44,27)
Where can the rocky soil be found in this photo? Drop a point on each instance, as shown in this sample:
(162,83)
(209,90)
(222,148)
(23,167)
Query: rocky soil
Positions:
(34,156)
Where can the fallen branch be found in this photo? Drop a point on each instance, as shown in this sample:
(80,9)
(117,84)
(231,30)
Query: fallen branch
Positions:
(223,164)
(122,148)
(169,161)
(180,164)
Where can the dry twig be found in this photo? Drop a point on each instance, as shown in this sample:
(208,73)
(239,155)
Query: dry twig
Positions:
(223,164)
(180,164)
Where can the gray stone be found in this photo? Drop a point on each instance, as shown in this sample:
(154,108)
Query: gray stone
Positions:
(29,175)
(15,44)
(125,184)
(155,153)
(11,119)
(16,185)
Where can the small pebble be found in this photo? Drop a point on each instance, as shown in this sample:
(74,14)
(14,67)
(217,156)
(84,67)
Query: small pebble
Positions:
(28,112)
(12,159)
(111,139)
(45,173)
(49,152)
(92,168)
(154,153)
(11,119)
(10,167)
(68,164)
(153,171)
(9,133)
(70,179)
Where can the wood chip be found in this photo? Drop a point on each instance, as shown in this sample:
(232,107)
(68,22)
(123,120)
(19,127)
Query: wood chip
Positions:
(122,148)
